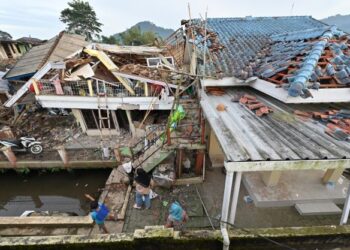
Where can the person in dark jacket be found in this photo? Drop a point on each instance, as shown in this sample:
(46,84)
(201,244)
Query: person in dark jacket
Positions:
(143,189)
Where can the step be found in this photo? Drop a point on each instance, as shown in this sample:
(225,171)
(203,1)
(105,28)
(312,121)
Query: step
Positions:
(319,208)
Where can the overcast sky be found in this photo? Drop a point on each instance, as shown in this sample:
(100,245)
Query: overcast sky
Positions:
(40,18)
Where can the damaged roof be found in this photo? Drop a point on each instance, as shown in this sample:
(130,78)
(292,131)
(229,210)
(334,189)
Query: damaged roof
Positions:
(278,135)
(296,53)
(56,49)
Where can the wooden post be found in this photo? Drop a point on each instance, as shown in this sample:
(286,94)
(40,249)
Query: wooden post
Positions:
(216,154)
(168,135)
(271,178)
(179,158)
(146,88)
(131,124)
(91,91)
(202,131)
(199,162)
(10,155)
(332,175)
(63,154)
(36,88)
(117,155)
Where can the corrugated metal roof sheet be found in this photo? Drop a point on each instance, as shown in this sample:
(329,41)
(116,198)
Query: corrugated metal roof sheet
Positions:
(56,49)
(280,135)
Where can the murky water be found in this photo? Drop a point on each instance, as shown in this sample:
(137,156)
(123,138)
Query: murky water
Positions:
(60,191)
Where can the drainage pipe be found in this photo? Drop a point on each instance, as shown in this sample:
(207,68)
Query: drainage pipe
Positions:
(225,209)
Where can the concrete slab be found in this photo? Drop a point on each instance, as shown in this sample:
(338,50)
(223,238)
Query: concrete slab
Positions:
(322,208)
(298,186)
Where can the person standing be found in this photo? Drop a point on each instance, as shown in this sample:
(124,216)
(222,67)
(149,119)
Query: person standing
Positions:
(143,189)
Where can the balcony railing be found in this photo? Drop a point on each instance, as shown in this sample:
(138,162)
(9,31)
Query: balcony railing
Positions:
(93,88)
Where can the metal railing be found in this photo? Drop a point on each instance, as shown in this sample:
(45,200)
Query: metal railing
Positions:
(98,87)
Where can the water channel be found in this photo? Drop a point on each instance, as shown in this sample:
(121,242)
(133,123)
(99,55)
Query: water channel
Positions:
(60,191)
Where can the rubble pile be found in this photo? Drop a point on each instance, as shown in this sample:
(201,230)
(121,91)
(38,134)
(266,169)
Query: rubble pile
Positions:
(51,130)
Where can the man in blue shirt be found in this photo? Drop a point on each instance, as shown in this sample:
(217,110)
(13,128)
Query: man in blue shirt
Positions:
(97,213)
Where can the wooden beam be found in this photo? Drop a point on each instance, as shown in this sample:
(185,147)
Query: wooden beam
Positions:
(271,178)
(251,166)
(188,181)
(332,175)
(59,164)
(46,221)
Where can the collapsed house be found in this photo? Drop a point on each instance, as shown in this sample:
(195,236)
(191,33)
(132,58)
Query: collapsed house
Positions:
(114,89)
(271,107)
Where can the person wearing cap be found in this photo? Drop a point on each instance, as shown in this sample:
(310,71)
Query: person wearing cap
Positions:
(177,216)
(143,189)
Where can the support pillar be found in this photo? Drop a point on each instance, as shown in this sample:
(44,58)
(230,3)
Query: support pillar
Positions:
(146,88)
(346,209)
(91,91)
(199,162)
(271,178)
(332,175)
(10,155)
(236,188)
(63,154)
(226,198)
(131,124)
(215,152)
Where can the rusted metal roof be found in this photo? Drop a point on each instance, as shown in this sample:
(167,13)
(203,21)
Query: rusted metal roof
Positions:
(56,49)
(280,135)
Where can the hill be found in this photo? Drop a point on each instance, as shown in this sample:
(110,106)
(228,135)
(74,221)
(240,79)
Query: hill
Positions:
(149,26)
(341,21)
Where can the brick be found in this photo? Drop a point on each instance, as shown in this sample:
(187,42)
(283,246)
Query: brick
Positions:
(264,110)
(243,100)
(335,121)
(324,117)
(316,115)
(255,106)
(302,113)
(250,97)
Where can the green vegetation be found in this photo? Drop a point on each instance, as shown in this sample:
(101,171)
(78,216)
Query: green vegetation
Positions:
(81,19)
(134,36)
(109,40)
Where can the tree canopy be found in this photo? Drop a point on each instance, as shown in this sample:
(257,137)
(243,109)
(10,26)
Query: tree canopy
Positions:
(134,36)
(109,40)
(81,19)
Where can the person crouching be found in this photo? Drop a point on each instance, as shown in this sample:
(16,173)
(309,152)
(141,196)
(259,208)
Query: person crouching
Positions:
(177,217)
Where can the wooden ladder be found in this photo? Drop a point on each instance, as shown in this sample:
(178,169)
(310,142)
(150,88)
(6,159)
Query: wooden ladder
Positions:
(102,104)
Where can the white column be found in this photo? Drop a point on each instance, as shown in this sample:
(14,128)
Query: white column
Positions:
(227,197)
(346,209)
(234,203)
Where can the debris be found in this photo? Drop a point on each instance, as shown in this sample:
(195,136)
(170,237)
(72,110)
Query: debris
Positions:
(247,199)
(215,91)
(221,107)
(254,105)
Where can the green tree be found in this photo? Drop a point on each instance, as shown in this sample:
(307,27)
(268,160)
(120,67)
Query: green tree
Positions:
(81,19)
(109,40)
(134,36)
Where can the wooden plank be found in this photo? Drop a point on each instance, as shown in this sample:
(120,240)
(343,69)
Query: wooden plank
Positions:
(59,164)
(188,181)
(46,221)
